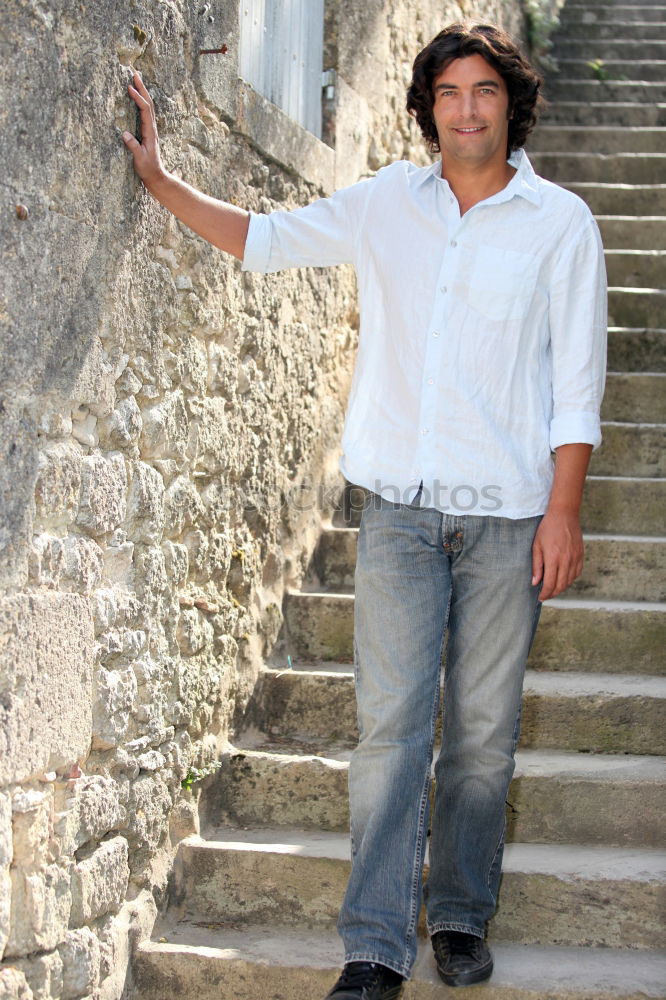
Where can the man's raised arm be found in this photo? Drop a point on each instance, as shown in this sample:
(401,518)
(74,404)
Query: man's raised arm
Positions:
(218,222)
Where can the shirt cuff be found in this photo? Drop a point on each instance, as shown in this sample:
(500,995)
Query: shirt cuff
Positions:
(257,244)
(575,428)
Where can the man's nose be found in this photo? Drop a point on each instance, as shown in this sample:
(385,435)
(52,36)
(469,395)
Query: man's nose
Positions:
(469,105)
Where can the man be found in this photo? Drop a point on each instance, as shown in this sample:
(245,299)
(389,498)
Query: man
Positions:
(481,351)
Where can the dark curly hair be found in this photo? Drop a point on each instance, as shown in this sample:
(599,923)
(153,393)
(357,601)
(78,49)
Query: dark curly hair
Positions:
(456,41)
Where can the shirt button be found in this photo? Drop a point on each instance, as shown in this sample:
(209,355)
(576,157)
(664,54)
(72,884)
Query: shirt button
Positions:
(453,243)
(435,333)
(424,431)
(443,289)
(430,381)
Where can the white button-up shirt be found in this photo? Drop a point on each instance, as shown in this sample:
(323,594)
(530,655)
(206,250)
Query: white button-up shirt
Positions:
(482,342)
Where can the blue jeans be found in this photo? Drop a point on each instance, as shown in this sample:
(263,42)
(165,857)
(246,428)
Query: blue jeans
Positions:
(418,571)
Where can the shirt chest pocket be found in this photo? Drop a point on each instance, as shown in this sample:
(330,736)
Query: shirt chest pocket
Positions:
(502,283)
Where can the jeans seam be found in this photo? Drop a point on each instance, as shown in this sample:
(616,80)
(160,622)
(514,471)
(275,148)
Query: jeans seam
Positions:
(368,956)
(452,925)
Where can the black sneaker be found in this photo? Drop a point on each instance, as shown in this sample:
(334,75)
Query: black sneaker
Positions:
(462,959)
(366,981)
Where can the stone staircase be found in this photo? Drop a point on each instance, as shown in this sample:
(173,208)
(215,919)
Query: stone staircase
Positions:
(582,906)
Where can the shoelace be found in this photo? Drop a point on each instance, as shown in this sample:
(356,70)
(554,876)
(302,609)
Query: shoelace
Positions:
(359,974)
(463,944)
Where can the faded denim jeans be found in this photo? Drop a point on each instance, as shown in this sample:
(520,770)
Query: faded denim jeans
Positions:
(418,572)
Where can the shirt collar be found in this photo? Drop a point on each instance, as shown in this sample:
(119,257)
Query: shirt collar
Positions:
(524,182)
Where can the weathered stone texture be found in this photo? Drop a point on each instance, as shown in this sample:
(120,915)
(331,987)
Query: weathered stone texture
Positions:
(45,683)
(99,881)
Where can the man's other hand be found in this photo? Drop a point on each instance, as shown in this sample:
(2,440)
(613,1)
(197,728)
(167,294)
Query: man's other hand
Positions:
(557,552)
(147,161)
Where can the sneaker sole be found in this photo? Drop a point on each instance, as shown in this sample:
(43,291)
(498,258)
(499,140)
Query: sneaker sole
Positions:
(467,978)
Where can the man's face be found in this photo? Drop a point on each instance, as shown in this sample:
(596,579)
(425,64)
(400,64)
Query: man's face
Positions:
(470,110)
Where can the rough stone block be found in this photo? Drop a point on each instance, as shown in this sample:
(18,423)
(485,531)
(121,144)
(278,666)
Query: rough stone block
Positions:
(32,827)
(102,503)
(40,908)
(99,881)
(83,563)
(122,427)
(43,974)
(87,811)
(45,683)
(5,861)
(148,811)
(46,560)
(165,428)
(145,507)
(194,632)
(58,480)
(80,954)
(115,695)
(13,985)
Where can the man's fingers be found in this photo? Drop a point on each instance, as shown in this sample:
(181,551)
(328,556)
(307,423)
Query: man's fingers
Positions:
(130,141)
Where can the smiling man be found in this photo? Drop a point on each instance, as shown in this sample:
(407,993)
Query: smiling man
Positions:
(482,351)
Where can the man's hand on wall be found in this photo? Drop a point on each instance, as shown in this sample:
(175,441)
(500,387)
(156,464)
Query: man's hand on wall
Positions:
(147,161)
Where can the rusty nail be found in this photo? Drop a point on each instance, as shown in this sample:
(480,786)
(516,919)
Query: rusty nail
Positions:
(22,212)
(205,52)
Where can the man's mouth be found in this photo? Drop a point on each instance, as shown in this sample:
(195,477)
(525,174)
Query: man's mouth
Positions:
(466,131)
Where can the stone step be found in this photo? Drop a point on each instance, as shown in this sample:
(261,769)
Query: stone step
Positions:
(554,797)
(620,50)
(550,894)
(635,397)
(636,268)
(642,306)
(632,349)
(611,168)
(630,232)
(630,450)
(615,5)
(638,70)
(621,199)
(606,113)
(588,713)
(585,90)
(612,30)
(603,139)
(610,503)
(573,634)
(617,567)
(583,14)
(265,962)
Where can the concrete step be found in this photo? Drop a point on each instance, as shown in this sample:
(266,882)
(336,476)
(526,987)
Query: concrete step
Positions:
(621,199)
(554,796)
(583,14)
(631,232)
(635,397)
(638,70)
(265,962)
(613,30)
(636,268)
(610,503)
(645,91)
(639,307)
(611,168)
(632,349)
(630,450)
(620,49)
(573,634)
(596,139)
(550,894)
(606,113)
(589,713)
(617,567)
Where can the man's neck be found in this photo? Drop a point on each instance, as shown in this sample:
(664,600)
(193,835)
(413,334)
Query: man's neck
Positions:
(471,185)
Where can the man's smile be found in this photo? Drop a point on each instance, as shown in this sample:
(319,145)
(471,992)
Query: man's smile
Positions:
(476,128)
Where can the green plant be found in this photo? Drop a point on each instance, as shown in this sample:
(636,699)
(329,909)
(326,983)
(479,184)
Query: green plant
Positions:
(598,68)
(540,23)
(197,773)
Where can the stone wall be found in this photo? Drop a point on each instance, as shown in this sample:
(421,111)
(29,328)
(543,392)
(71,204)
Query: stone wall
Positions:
(170,436)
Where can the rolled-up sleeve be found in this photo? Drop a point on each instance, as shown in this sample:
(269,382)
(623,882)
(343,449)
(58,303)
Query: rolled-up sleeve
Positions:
(578,338)
(320,234)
